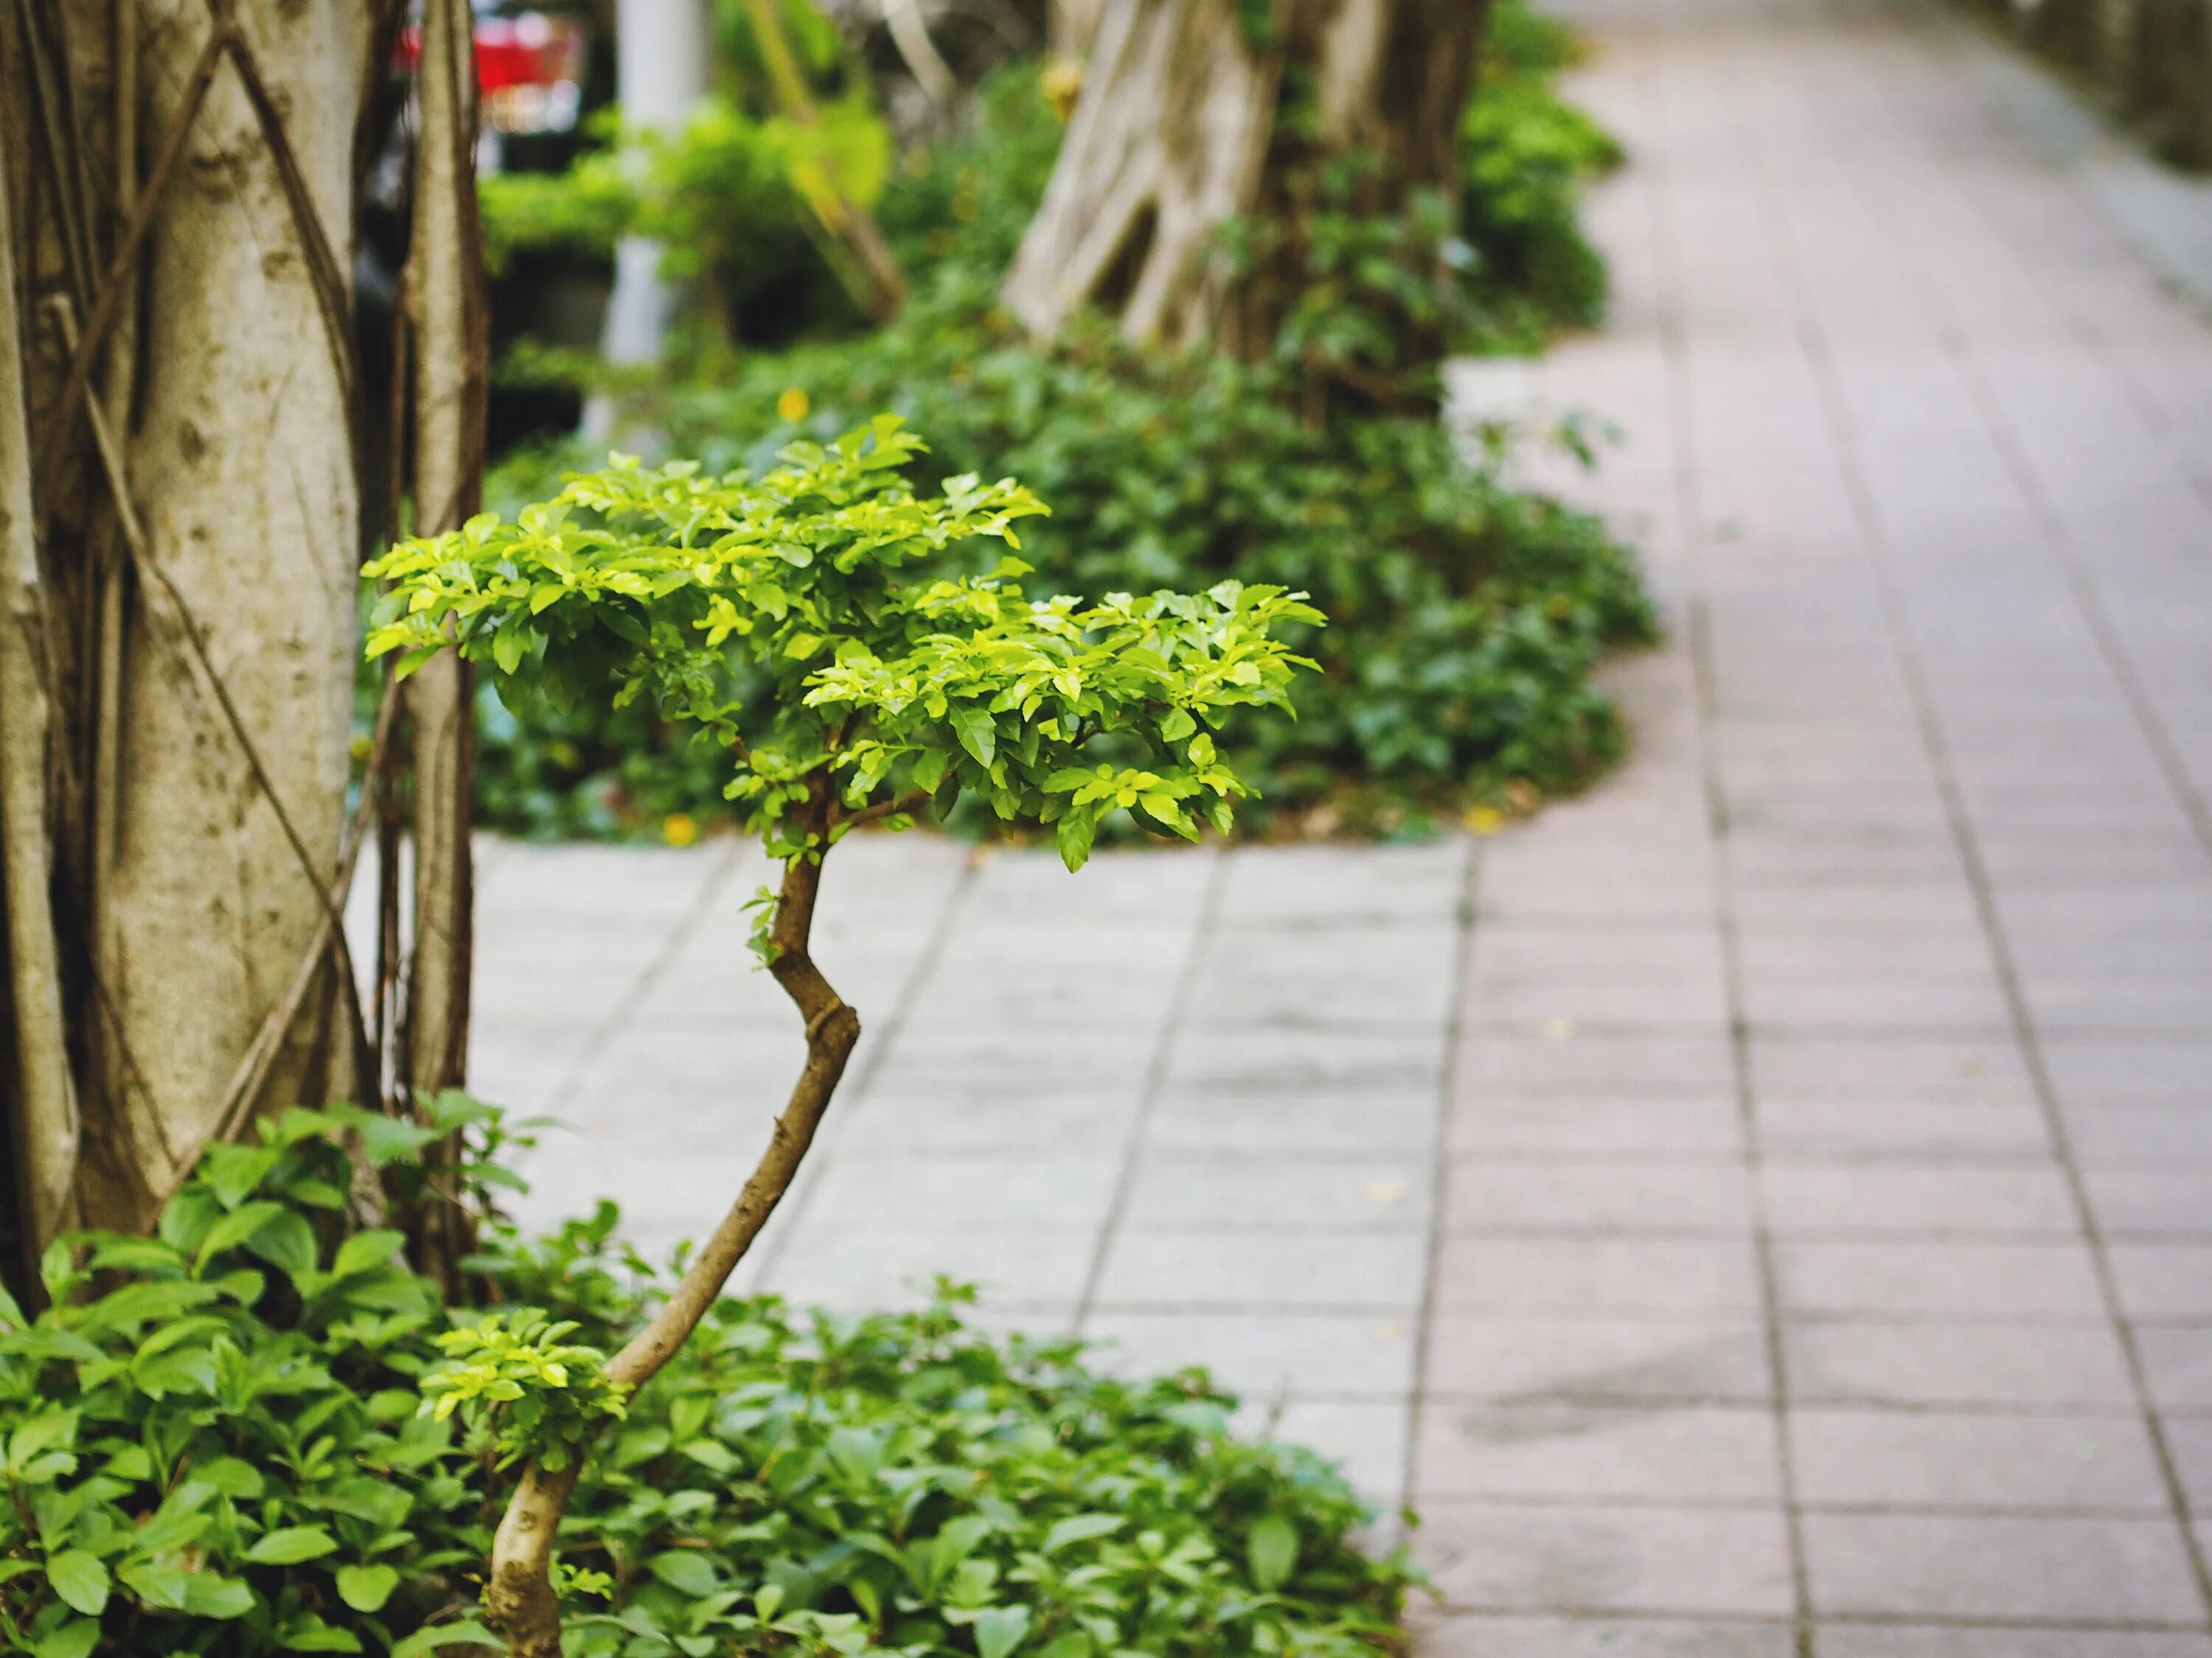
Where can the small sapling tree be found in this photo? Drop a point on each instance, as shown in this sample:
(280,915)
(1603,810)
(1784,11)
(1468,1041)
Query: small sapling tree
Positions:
(888,683)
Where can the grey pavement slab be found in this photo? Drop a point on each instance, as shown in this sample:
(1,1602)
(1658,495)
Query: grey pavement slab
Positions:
(1840,1068)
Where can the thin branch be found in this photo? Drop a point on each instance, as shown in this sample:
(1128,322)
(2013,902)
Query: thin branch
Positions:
(913,801)
(60,417)
(519,1593)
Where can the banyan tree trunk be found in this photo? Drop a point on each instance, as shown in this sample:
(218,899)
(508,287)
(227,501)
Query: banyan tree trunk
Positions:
(177,516)
(1194,112)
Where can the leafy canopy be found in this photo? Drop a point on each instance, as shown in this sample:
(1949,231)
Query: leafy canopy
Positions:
(877,666)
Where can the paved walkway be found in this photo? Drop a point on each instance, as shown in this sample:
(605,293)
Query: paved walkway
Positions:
(1776,1190)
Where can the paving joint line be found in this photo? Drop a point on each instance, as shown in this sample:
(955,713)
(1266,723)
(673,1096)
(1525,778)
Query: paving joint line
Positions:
(1689,511)
(1440,1160)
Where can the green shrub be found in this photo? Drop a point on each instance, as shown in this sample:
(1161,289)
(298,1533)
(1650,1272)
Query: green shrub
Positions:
(1466,615)
(213,1438)
(1528,154)
(217,1442)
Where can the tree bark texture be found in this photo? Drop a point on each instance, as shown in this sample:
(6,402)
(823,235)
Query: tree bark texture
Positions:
(1185,122)
(447,309)
(41,1091)
(184,177)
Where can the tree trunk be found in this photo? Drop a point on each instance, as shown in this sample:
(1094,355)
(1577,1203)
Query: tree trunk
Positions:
(185,364)
(1186,121)
(1071,25)
(40,1093)
(448,311)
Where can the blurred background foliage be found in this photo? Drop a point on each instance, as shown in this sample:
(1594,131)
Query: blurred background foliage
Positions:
(1466,613)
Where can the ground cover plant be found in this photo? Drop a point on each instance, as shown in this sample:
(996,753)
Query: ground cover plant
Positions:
(1528,153)
(1466,613)
(227,1438)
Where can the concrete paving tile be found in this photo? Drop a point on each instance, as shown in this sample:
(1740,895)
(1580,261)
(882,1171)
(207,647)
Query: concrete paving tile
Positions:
(1010,1060)
(1564,1060)
(1354,977)
(1022,1191)
(884,1118)
(1240,1190)
(2083,1070)
(1302,1271)
(1679,1277)
(2188,1440)
(1348,1118)
(1799,1128)
(2166,1005)
(1999,1567)
(1658,1003)
(525,1073)
(1993,1282)
(1927,956)
(2158,1281)
(1528,954)
(2148,1200)
(1935,1364)
(1002,995)
(1565,1124)
(708,1071)
(1230,1061)
(1120,884)
(1594,1558)
(842,1265)
(1494,1637)
(2177,1361)
(1534,1360)
(1938,1459)
(2123,1135)
(1689,1453)
(1280,884)
(1262,1356)
(1883,1198)
(1483,1195)
(1890,1640)
(1800,1067)
(1899,1003)
(1524,898)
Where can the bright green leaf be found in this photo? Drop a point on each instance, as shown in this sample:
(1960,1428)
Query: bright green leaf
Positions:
(366,1589)
(289,1545)
(80,1580)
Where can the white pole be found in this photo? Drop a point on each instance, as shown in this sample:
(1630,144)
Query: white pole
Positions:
(663,63)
